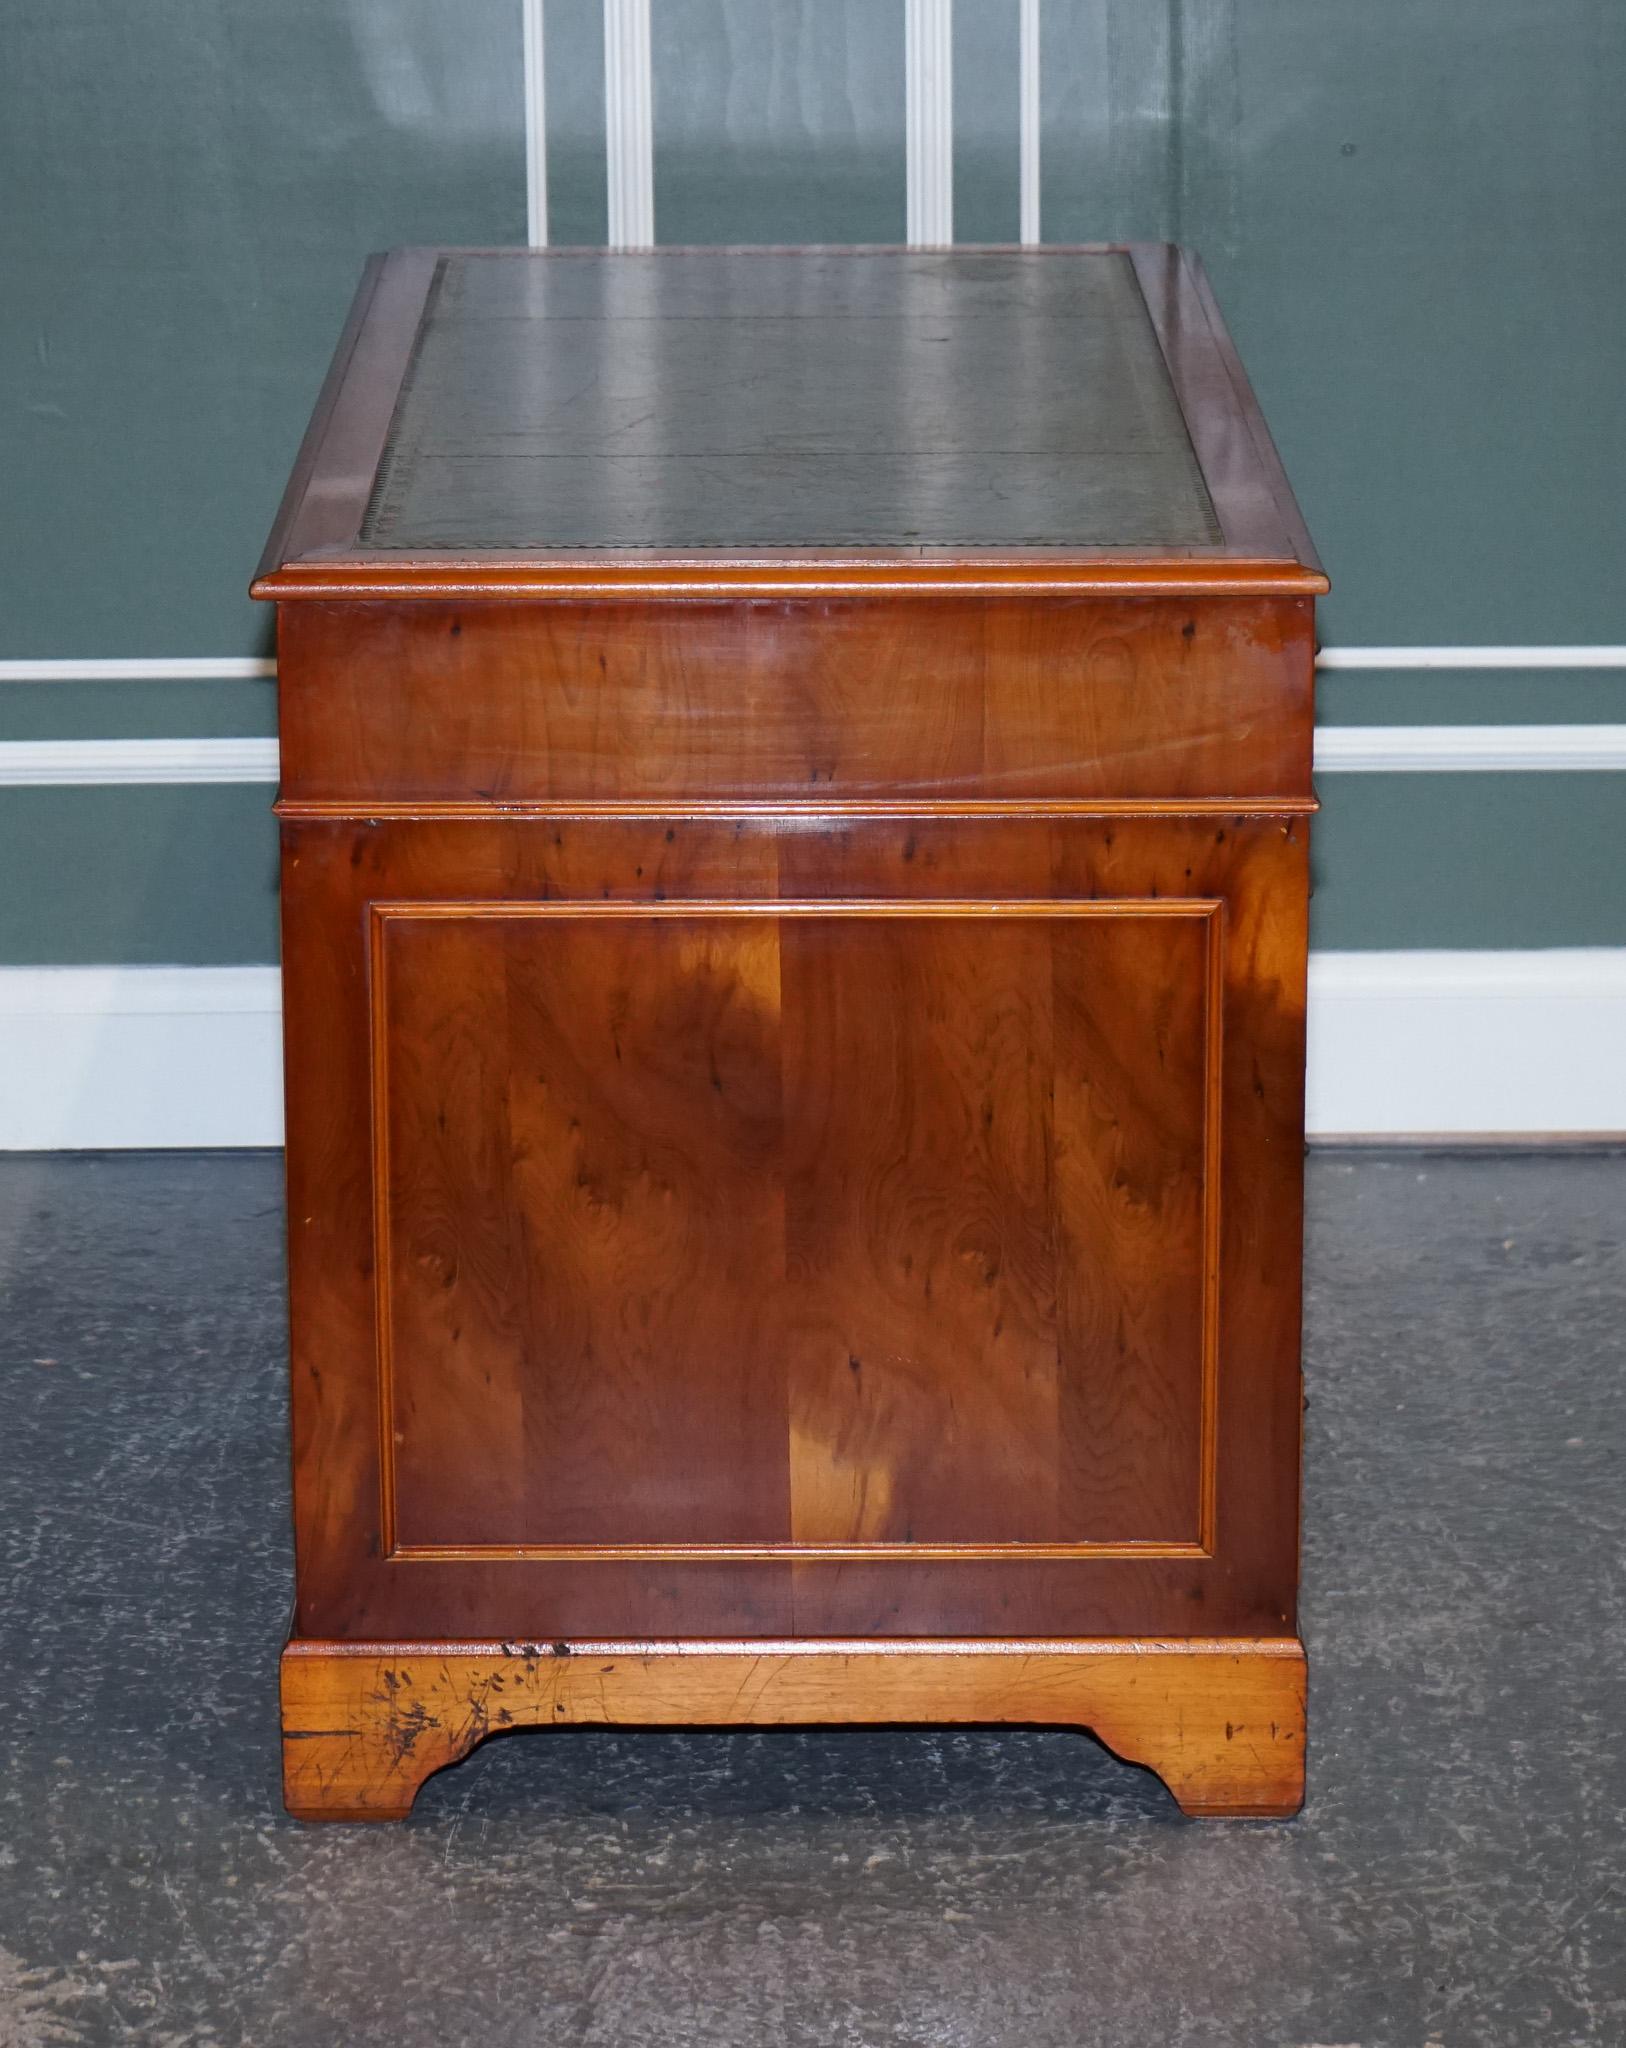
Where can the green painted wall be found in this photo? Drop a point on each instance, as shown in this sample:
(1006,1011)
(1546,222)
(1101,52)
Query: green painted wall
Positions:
(190,190)
(578,201)
(1414,211)
(1469,860)
(143,875)
(778,120)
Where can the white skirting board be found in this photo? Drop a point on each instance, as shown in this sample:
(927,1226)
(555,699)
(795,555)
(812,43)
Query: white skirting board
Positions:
(1401,1044)
(1482,1044)
(114,1057)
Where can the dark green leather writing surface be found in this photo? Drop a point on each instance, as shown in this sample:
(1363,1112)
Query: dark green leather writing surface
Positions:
(702,399)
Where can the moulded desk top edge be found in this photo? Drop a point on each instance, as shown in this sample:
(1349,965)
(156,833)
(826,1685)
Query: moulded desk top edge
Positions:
(351,578)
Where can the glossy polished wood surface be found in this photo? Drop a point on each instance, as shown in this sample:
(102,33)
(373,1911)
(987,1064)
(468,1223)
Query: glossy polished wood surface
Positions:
(794,1060)
(857,1225)
(843,1084)
(795,702)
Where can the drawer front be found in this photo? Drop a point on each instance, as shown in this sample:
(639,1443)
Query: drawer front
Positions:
(806,702)
(704,1228)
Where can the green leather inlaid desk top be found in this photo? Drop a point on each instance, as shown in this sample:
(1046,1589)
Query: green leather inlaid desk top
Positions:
(702,399)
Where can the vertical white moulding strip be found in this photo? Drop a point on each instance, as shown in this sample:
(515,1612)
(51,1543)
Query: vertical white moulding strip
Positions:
(929,121)
(629,124)
(1028,61)
(536,127)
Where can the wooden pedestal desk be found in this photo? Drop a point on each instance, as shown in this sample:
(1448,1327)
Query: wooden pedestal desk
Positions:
(795,788)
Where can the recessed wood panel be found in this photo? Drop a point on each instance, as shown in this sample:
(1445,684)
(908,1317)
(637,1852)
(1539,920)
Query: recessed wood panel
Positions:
(814,1230)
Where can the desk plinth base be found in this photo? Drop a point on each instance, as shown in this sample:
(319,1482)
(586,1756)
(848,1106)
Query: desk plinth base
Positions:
(1220,1721)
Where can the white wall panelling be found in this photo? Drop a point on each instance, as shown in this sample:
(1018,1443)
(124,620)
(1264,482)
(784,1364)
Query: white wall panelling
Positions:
(1471,657)
(1515,1043)
(229,668)
(66,764)
(1029,118)
(1467,749)
(629,124)
(929,121)
(536,126)
(134,1056)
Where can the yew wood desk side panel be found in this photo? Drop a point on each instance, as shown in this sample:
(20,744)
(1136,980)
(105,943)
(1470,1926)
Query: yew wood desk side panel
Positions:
(794,942)
(521,1051)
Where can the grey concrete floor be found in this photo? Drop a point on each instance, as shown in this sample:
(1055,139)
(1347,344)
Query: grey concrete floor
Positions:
(1459,1876)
